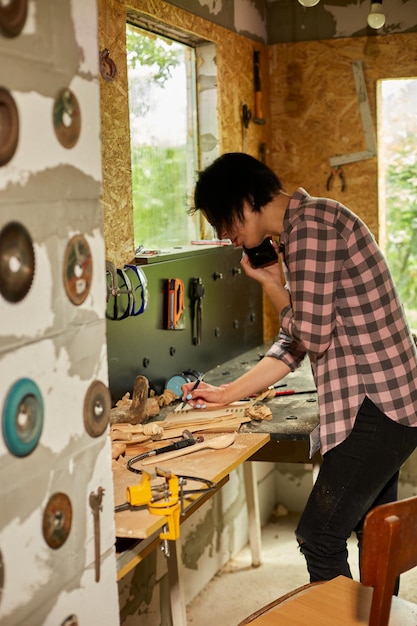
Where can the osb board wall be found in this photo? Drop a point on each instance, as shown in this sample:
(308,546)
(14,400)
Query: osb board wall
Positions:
(315,116)
(235,88)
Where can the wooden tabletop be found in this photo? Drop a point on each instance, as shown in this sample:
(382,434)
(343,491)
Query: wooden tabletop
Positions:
(341,602)
(213,465)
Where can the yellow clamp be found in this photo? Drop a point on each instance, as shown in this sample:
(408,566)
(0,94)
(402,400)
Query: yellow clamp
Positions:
(138,495)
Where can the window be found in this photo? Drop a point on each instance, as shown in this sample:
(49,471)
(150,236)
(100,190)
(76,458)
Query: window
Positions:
(164,138)
(397,158)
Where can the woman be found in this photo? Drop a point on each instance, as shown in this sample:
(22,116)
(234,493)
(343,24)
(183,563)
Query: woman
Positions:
(338,304)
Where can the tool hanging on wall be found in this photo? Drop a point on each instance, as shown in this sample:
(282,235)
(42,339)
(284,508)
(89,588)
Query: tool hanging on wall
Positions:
(96,504)
(108,68)
(246,118)
(336,172)
(57,520)
(258,118)
(13,17)
(366,122)
(175,304)
(67,118)
(23,416)
(139,285)
(96,409)
(127,291)
(119,293)
(17,261)
(9,134)
(196,295)
(77,269)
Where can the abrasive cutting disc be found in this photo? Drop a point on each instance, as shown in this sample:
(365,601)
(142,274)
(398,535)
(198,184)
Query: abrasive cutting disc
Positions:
(97,405)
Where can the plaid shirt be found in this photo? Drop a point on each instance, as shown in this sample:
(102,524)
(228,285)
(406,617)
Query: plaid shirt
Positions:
(345,313)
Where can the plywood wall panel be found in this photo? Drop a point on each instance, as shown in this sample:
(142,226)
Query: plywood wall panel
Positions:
(315,112)
(315,116)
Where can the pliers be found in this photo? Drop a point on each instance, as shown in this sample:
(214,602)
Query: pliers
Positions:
(336,171)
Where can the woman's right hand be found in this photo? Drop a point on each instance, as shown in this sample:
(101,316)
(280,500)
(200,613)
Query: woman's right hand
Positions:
(205,396)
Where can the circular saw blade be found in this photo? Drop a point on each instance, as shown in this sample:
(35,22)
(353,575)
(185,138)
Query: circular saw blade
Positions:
(17,262)
(9,125)
(67,118)
(57,520)
(78,269)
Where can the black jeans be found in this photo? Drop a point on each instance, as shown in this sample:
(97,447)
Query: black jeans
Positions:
(355,476)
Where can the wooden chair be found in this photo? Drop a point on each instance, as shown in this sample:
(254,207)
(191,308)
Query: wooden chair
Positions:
(389,549)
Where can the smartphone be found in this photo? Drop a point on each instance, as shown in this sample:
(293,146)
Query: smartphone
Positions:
(263,255)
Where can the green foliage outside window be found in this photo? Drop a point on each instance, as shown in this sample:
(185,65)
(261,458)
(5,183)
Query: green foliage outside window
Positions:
(401,223)
(161,158)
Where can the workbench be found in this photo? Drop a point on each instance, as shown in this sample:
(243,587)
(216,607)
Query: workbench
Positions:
(284,438)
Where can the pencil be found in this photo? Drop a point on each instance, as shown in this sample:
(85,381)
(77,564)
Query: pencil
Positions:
(193,388)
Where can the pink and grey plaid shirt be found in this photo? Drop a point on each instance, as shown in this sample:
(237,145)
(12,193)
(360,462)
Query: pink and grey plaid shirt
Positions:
(345,313)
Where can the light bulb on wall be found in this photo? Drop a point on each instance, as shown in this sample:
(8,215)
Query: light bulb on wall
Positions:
(376,18)
(308,3)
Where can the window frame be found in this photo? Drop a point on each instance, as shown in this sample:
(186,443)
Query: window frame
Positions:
(205,80)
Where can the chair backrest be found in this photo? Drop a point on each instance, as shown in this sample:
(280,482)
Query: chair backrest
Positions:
(389,548)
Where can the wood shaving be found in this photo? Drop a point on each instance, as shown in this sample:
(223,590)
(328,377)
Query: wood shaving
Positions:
(117,449)
(125,401)
(259,412)
(167,397)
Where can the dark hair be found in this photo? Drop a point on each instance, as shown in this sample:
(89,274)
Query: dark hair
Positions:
(224,186)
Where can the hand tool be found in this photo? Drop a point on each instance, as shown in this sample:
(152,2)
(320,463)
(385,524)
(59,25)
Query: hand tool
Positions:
(258,119)
(139,284)
(217,443)
(187,440)
(165,499)
(176,305)
(120,298)
(196,296)
(95,502)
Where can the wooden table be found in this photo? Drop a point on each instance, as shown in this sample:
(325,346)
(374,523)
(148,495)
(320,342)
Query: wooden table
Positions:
(341,601)
(214,465)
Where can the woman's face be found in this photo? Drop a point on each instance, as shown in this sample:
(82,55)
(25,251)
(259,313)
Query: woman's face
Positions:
(246,232)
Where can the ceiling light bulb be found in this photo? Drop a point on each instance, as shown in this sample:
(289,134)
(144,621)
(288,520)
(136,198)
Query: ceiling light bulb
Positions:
(308,3)
(376,18)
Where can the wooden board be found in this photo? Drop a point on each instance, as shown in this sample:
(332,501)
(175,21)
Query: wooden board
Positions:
(209,464)
(340,601)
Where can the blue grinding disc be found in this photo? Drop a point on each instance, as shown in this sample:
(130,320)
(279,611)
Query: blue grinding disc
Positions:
(174,383)
(23,417)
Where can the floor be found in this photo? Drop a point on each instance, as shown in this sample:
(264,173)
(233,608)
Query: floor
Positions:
(238,589)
